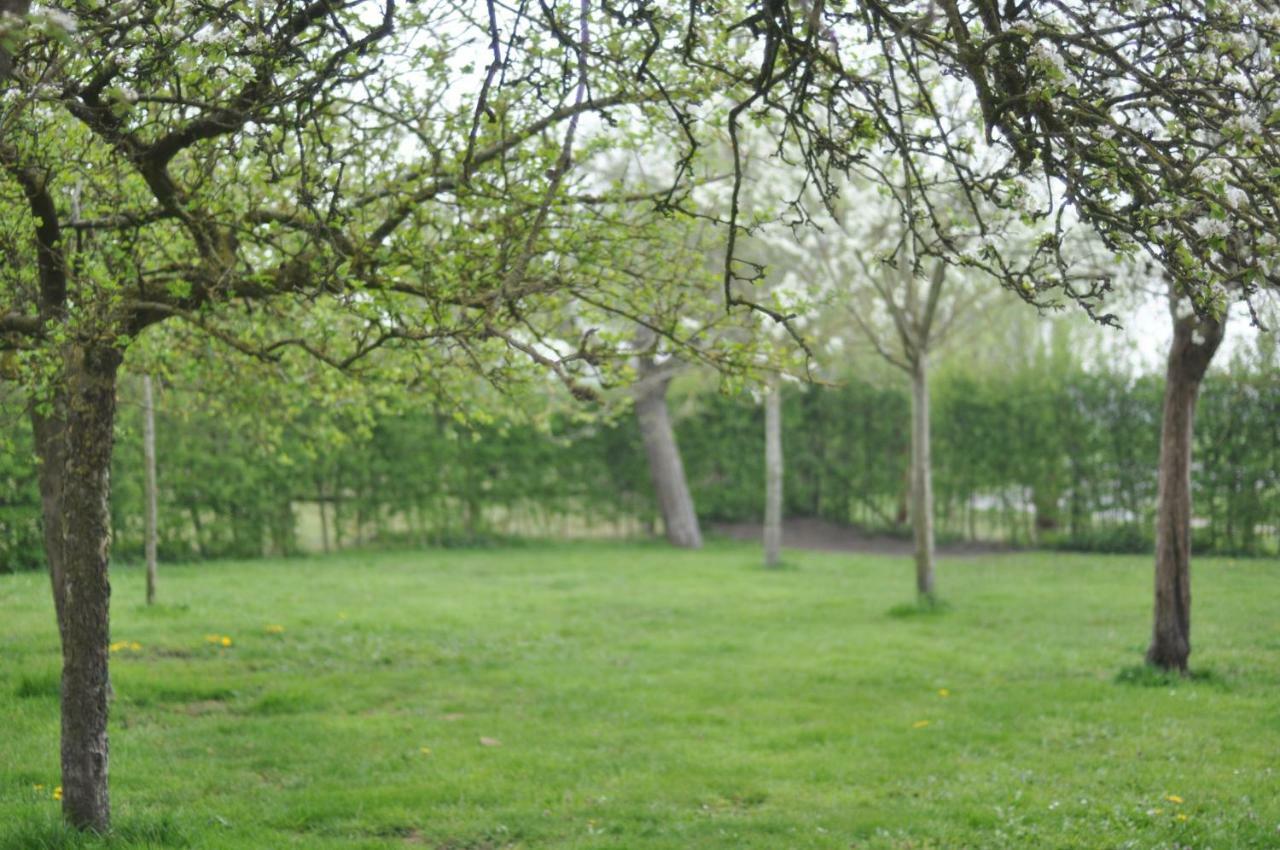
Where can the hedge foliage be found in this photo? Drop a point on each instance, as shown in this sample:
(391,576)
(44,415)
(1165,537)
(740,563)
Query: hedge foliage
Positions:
(1061,459)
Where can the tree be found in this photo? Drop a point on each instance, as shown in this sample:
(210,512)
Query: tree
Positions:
(218,157)
(773,472)
(1152,124)
(1195,340)
(666,469)
(149,462)
(866,259)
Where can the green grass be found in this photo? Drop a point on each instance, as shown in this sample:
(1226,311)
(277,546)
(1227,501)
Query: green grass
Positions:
(645,698)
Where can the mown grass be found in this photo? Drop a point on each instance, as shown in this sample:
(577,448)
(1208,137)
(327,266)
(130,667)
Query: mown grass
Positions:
(629,696)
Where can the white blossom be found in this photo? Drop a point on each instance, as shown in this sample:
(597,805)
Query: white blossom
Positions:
(1046,56)
(1208,228)
(59,18)
(1245,125)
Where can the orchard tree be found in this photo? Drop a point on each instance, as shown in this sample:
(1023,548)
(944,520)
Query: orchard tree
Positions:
(866,261)
(1152,125)
(1196,338)
(773,473)
(151,523)
(1149,125)
(213,164)
(171,160)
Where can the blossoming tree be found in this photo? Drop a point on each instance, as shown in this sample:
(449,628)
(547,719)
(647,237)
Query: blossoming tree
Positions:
(214,165)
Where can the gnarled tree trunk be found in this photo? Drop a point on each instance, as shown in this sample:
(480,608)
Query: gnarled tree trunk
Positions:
(921,477)
(665,466)
(1195,339)
(73,436)
(773,474)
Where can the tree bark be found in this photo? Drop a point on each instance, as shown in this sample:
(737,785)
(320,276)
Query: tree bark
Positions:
(665,465)
(16,8)
(921,478)
(1195,340)
(73,434)
(149,461)
(773,474)
(324,523)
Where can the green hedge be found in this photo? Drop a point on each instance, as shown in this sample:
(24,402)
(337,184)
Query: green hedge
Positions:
(1063,459)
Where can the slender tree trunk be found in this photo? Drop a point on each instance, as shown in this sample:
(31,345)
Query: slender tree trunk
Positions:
(149,460)
(665,465)
(193,511)
(773,474)
(73,435)
(324,523)
(903,512)
(921,478)
(1194,342)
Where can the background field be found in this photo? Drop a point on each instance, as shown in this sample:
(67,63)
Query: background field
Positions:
(631,696)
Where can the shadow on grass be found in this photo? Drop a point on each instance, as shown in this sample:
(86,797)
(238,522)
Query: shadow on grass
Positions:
(924,607)
(163,611)
(1147,676)
(39,686)
(47,831)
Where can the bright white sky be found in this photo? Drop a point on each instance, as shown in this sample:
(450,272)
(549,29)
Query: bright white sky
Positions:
(1148,330)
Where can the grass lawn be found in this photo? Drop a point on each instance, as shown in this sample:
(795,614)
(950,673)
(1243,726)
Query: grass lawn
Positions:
(629,696)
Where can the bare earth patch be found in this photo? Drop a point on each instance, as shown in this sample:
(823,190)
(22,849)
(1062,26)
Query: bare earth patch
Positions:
(823,536)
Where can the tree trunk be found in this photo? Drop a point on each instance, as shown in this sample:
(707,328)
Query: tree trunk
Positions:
(1045,500)
(73,436)
(324,522)
(921,479)
(149,461)
(1195,340)
(773,474)
(665,466)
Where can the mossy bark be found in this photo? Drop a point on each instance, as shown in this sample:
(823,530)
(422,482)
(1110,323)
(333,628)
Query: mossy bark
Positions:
(73,435)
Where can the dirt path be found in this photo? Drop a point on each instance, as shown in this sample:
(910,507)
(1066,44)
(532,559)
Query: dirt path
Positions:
(829,537)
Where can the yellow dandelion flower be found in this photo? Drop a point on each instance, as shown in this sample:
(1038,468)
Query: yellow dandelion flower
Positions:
(920,724)
(426,751)
(275,630)
(1173,798)
(57,793)
(1180,817)
(134,645)
(943,692)
(226,641)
